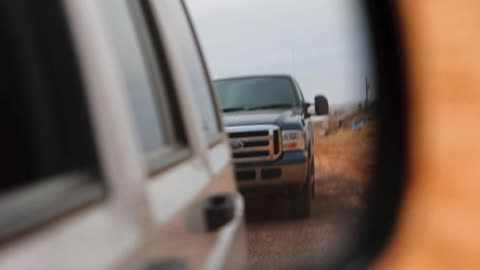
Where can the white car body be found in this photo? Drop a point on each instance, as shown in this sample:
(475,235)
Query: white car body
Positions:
(143,220)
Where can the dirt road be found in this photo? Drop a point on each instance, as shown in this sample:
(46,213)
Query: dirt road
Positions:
(275,241)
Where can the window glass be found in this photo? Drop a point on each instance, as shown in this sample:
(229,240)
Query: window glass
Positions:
(182,40)
(251,93)
(48,163)
(141,90)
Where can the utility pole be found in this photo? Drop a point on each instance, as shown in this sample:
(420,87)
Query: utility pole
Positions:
(367,91)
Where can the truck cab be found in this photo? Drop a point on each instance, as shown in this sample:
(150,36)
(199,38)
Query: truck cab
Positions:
(114,156)
(267,120)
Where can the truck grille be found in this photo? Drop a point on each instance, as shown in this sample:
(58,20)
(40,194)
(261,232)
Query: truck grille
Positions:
(254,143)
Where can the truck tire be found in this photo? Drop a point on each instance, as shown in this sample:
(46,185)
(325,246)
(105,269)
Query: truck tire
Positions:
(302,201)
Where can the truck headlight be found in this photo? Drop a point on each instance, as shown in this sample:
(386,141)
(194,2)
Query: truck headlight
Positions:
(293,140)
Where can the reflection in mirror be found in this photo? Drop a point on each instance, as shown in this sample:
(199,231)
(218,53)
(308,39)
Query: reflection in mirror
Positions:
(321,105)
(305,183)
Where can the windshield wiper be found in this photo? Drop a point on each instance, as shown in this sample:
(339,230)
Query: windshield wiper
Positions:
(271,106)
(234,109)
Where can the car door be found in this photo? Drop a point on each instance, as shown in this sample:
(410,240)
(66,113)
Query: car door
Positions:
(70,184)
(183,151)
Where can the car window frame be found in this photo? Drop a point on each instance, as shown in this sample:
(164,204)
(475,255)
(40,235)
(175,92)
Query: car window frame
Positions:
(177,147)
(155,26)
(218,139)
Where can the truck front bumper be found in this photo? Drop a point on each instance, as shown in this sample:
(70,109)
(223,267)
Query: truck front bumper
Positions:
(289,171)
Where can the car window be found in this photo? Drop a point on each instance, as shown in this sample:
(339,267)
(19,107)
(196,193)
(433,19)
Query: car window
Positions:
(48,163)
(190,62)
(141,90)
(255,92)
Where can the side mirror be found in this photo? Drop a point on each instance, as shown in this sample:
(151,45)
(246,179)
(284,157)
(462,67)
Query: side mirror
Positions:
(321,105)
(306,106)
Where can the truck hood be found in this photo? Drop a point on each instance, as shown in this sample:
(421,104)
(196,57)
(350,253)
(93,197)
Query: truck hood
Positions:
(285,118)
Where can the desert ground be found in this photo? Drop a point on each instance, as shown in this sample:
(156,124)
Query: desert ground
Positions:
(344,161)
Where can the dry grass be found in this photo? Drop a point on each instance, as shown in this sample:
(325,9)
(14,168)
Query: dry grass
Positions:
(346,154)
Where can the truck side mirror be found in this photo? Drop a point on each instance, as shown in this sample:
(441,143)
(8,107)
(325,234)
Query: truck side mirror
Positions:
(321,105)
(306,107)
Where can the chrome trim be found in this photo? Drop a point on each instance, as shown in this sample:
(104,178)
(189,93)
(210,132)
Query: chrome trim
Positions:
(240,142)
(256,139)
(252,149)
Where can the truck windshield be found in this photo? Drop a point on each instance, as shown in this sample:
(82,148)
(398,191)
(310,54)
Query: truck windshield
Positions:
(256,93)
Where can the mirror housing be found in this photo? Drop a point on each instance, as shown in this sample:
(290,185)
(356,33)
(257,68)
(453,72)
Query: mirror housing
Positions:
(321,105)
(307,106)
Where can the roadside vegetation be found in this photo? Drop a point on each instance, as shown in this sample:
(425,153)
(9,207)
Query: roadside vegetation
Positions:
(346,153)
(344,163)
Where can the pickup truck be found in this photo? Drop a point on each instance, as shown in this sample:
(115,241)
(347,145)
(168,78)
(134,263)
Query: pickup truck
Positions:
(266,118)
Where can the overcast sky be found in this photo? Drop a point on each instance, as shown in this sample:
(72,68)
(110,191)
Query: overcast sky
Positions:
(324,43)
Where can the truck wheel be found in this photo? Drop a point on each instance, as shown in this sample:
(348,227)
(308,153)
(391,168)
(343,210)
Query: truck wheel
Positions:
(301,202)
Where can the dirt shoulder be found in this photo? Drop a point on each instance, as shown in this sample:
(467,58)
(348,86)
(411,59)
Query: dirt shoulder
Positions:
(344,162)
(346,154)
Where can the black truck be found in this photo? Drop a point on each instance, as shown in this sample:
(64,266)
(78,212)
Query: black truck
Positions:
(266,118)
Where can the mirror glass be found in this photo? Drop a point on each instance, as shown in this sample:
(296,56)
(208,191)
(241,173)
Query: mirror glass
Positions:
(306,196)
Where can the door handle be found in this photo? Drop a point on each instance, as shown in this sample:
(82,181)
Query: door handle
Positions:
(218,210)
